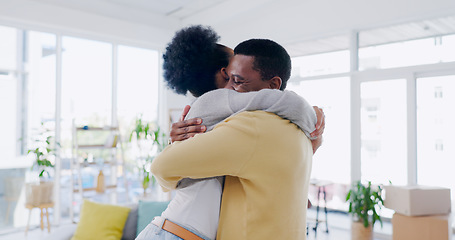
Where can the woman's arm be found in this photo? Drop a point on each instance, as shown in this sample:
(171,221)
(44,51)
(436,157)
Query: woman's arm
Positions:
(285,104)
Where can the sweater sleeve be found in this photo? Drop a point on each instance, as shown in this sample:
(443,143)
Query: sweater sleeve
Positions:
(222,151)
(286,104)
(217,105)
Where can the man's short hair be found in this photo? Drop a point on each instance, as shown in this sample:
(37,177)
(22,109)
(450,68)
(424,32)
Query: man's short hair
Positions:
(270,58)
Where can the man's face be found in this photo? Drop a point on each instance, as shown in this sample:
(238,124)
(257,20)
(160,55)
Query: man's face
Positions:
(242,76)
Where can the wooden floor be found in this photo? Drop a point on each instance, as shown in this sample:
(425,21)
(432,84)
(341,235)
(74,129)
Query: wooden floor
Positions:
(338,229)
(338,223)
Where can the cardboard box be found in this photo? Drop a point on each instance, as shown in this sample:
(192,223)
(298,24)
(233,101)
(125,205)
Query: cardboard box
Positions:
(435,227)
(417,200)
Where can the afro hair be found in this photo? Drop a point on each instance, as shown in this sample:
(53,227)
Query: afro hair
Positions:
(192,59)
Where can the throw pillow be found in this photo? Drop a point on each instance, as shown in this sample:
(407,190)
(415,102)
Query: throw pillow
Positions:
(100,221)
(147,210)
(129,232)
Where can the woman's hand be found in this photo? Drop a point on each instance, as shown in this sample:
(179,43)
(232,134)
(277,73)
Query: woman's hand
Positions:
(185,129)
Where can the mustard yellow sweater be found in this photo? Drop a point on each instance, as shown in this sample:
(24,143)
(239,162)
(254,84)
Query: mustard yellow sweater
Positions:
(267,163)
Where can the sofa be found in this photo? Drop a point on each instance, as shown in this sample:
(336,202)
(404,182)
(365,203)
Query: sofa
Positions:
(108,219)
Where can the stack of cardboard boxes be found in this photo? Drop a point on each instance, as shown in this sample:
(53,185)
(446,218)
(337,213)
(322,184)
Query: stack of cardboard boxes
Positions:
(421,212)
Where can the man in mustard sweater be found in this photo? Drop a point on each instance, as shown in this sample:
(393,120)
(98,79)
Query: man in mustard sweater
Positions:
(266,159)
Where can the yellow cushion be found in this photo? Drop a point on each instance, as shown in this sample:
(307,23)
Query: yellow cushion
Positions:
(100,221)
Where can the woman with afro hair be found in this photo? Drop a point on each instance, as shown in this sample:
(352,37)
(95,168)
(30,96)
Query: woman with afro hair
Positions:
(194,62)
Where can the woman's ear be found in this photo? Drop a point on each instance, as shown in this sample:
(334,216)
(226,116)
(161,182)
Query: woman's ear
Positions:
(224,73)
(275,83)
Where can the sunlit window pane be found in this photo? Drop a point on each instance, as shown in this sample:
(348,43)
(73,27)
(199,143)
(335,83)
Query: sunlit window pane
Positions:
(320,64)
(8,107)
(435,131)
(408,53)
(41,56)
(137,85)
(332,160)
(86,85)
(383,132)
(8,96)
(8,48)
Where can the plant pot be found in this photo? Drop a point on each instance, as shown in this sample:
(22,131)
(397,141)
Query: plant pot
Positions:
(39,193)
(360,232)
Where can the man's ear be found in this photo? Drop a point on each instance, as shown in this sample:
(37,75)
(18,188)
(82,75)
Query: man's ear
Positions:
(275,83)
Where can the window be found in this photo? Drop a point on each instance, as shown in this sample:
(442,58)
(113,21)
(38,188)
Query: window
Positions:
(320,64)
(435,128)
(86,86)
(332,160)
(8,48)
(41,57)
(383,132)
(137,85)
(8,107)
(27,99)
(137,95)
(408,53)
(86,97)
(8,96)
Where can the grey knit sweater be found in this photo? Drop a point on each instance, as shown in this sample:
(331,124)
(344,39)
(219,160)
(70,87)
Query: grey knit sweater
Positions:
(217,105)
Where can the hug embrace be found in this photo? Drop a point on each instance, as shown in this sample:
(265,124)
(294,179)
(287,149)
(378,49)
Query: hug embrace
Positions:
(241,157)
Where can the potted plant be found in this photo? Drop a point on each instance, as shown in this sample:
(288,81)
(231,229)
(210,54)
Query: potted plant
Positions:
(150,141)
(43,161)
(364,202)
(43,158)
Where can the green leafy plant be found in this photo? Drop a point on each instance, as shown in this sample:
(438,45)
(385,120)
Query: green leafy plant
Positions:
(364,201)
(147,178)
(141,129)
(148,132)
(43,154)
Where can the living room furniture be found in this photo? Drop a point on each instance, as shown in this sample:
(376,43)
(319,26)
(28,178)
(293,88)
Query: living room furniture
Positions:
(39,195)
(44,209)
(140,215)
(320,185)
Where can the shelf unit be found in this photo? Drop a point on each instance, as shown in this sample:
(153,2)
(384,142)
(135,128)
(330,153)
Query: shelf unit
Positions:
(114,160)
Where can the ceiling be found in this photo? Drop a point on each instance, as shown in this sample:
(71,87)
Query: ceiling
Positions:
(302,26)
(138,10)
(383,35)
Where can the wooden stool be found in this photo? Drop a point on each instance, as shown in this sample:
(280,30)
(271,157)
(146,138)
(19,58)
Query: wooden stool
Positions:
(43,207)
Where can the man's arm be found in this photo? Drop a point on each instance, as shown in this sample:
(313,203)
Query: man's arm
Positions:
(222,151)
